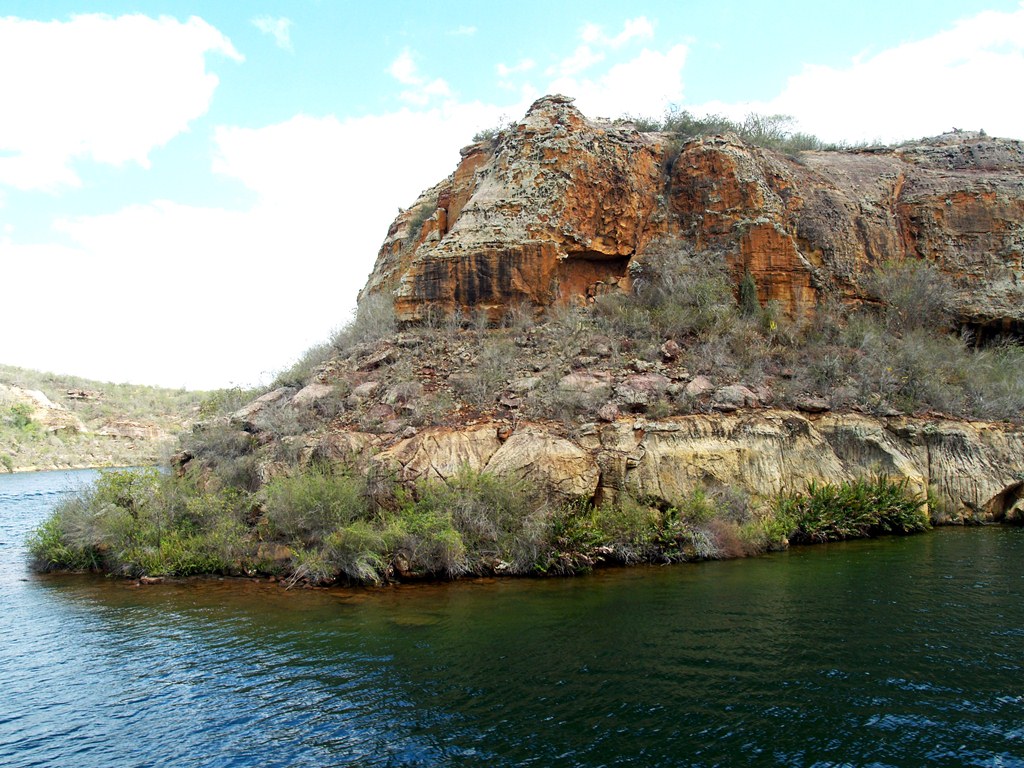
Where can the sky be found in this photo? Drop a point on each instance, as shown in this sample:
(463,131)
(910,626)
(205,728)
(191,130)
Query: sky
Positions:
(192,193)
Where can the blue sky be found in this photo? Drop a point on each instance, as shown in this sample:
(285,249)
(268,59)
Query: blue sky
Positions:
(192,193)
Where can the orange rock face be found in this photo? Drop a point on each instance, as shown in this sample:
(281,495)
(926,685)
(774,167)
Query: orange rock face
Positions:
(558,207)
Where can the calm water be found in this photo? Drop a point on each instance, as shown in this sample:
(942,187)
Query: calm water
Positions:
(901,652)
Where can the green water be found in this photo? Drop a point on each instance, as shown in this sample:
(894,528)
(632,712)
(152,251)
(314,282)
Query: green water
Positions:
(902,652)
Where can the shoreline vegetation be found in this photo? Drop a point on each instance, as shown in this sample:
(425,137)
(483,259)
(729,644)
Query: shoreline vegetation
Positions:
(324,526)
(246,498)
(252,494)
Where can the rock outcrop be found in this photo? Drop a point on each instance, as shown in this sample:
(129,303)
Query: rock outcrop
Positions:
(560,208)
(968,469)
(51,417)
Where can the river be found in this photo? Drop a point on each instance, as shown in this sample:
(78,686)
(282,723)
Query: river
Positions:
(895,652)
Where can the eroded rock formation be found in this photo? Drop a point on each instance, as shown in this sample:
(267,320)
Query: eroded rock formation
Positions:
(558,207)
(969,468)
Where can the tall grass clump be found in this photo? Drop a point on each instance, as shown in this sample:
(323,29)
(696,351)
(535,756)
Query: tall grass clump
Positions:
(374,319)
(309,505)
(677,293)
(856,509)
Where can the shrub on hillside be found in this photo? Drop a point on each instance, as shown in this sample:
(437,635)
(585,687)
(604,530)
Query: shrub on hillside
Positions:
(676,293)
(308,506)
(914,294)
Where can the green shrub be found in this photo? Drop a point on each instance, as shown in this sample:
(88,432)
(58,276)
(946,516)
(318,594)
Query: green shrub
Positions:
(676,293)
(374,319)
(58,543)
(771,131)
(226,452)
(299,374)
(628,530)
(502,520)
(423,540)
(914,294)
(134,522)
(419,217)
(19,416)
(855,509)
(750,305)
(481,383)
(308,506)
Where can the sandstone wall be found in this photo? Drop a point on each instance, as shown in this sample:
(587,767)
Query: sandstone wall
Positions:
(973,469)
(559,206)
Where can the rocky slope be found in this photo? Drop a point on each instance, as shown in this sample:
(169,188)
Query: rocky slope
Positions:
(390,426)
(559,211)
(560,208)
(49,421)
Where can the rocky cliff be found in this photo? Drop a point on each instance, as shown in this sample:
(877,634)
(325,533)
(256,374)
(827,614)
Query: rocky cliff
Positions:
(559,208)
(559,213)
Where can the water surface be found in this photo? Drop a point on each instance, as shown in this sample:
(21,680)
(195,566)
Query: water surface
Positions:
(901,652)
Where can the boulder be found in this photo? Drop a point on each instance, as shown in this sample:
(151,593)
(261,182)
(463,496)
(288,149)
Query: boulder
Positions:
(732,397)
(698,387)
(559,465)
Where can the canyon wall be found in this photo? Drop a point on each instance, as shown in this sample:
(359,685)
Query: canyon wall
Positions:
(559,208)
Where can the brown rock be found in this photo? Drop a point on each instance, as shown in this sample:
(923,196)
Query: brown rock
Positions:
(365,391)
(526,384)
(438,453)
(732,397)
(251,416)
(642,389)
(812,404)
(561,208)
(565,469)
(698,387)
(553,210)
(132,430)
(608,412)
(310,394)
(585,382)
(380,357)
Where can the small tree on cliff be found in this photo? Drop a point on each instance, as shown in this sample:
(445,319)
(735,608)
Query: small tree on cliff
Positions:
(750,305)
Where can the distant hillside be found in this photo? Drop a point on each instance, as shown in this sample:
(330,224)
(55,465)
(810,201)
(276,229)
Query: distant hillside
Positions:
(52,421)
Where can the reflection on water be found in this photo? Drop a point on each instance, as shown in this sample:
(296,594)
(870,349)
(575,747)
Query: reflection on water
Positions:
(896,652)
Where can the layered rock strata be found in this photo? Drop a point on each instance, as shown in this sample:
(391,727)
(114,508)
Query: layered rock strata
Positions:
(560,208)
(969,469)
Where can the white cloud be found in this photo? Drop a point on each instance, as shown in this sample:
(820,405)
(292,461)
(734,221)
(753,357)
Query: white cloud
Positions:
(958,78)
(202,297)
(584,57)
(109,89)
(593,38)
(632,29)
(463,31)
(643,85)
(523,65)
(277,27)
(405,71)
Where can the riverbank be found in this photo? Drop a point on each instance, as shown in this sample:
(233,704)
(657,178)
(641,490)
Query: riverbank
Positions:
(773,655)
(322,527)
